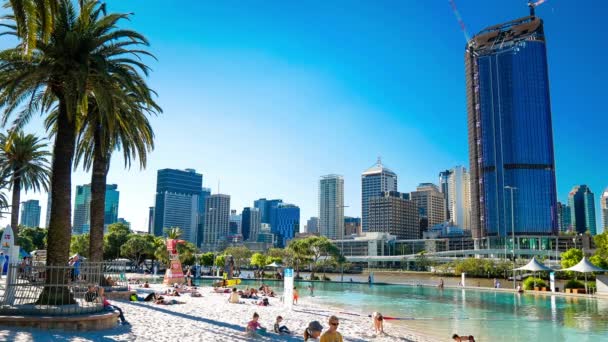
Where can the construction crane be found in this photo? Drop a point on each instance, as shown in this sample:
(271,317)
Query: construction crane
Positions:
(460,22)
(533,6)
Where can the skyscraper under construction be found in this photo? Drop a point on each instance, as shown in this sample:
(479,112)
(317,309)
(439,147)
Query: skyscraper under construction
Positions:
(510,131)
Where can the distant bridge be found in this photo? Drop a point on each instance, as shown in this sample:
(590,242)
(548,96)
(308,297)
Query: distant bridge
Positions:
(453,255)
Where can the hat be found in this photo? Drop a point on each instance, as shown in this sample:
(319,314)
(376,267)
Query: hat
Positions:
(315,326)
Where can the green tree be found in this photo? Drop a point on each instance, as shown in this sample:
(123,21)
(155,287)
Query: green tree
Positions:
(240,254)
(173,233)
(85,50)
(25,242)
(118,234)
(220,261)
(598,261)
(258,260)
(321,246)
(299,252)
(36,235)
(601,244)
(25,158)
(137,247)
(570,258)
(80,245)
(207,259)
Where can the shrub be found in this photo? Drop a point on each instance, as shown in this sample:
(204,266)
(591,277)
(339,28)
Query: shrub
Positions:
(326,278)
(574,284)
(530,281)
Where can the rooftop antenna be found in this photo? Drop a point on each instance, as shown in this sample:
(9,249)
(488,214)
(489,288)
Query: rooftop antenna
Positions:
(463,27)
(533,6)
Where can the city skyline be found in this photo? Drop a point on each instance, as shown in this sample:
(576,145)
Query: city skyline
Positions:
(374,117)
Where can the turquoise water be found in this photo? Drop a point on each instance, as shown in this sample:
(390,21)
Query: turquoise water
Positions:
(488,315)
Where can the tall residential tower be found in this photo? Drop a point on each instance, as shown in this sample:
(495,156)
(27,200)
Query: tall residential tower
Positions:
(331,206)
(375,181)
(510,131)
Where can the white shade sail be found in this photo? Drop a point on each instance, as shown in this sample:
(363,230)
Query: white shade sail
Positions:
(584,266)
(274,264)
(534,266)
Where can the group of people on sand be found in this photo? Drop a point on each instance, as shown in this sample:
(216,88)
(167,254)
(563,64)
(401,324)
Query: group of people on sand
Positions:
(313,331)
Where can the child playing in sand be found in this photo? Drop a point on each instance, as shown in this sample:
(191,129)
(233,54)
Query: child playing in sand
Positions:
(254,327)
(378,322)
(280,329)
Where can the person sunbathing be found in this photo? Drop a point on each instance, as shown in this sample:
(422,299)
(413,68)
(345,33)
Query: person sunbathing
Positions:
(167,302)
(234,297)
(457,338)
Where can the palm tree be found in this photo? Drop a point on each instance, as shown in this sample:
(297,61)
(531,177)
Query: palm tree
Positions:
(32,19)
(173,233)
(24,157)
(86,54)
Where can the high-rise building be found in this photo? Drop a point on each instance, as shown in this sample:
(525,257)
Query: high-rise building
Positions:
(30,214)
(265,207)
(604,206)
(250,223)
(286,223)
(459,198)
(124,221)
(82,208)
(582,209)
(564,217)
(151,220)
(352,226)
(510,132)
(444,177)
(235,223)
(217,219)
(179,201)
(266,236)
(312,225)
(375,180)
(431,204)
(331,206)
(392,212)
(202,202)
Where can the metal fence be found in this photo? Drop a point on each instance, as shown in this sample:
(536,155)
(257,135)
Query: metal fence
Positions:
(59,290)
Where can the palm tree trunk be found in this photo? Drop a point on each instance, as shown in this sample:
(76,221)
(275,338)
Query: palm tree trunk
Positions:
(60,228)
(98,199)
(16,202)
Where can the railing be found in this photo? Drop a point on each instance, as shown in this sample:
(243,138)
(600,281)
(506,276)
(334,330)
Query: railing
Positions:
(59,290)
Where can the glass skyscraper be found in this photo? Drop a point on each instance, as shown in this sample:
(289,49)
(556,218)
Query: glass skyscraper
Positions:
(510,130)
(374,181)
(582,209)
(30,214)
(286,223)
(250,223)
(82,208)
(179,203)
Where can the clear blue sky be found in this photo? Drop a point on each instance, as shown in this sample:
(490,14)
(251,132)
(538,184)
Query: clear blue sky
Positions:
(266,96)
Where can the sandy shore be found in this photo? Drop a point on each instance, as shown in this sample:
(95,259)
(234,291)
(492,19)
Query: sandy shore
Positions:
(212,318)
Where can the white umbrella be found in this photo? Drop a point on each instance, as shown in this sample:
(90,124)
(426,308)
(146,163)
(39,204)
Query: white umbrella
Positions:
(534,266)
(584,266)
(274,264)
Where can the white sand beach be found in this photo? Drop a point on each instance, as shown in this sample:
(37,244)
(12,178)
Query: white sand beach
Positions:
(212,318)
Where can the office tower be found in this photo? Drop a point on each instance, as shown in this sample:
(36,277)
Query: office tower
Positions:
(205,192)
(375,180)
(250,223)
(331,206)
(604,206)
(564,217)
(582,209)
(286,222)
(30,214)
(510,133)
(235,223)
(265,207)
(217,219)
(392,212)
(444,177)
(312,225)
(431,204)
(352,226)
(82,208)
(459,197)
(179,201)
(151,220)
(265,235)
